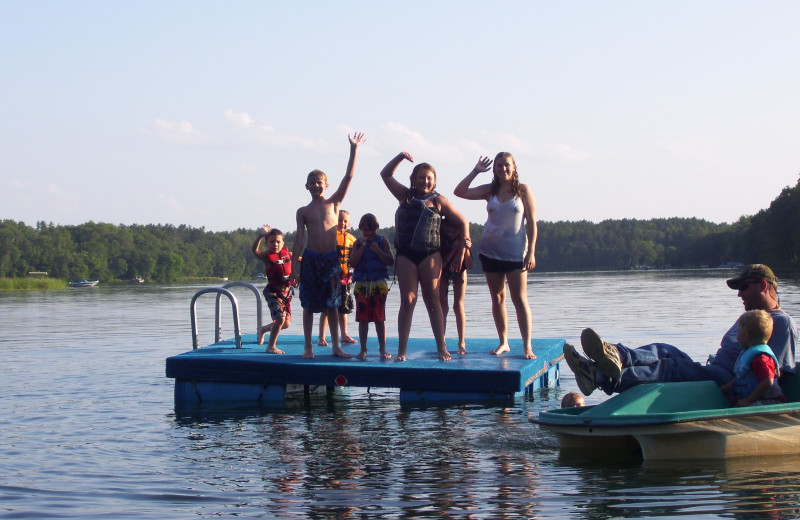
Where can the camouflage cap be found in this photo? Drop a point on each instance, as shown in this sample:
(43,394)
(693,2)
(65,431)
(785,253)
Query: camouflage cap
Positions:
(753,272)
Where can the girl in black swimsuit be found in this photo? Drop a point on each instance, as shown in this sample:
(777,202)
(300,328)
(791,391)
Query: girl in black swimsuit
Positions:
(419,261)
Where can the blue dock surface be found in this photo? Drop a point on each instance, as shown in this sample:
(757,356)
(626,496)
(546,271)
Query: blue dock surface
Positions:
(221,372)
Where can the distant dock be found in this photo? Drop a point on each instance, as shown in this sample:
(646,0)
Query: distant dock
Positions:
(222,372)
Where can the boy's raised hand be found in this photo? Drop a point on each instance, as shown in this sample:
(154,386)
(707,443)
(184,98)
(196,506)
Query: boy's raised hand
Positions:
(357,138)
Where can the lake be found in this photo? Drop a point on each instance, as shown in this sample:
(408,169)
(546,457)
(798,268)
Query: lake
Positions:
(88,428)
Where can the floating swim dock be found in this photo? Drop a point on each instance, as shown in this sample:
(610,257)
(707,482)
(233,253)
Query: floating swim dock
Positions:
(239,370)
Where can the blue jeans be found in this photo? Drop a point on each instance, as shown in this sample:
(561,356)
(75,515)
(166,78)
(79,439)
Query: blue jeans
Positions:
(659,363)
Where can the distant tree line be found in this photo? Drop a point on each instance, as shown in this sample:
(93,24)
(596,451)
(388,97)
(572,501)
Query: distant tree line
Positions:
(109,252)
(167,253)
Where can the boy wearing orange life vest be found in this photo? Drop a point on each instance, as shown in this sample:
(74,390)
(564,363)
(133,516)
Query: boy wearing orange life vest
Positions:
(344,241)
(278,268)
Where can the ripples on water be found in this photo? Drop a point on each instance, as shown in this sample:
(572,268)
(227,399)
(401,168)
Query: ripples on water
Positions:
(88,430)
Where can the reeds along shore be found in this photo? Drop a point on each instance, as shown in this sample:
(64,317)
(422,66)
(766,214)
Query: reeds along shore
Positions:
(31,284)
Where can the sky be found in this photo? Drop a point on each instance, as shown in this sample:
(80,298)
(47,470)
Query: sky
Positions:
(211,114)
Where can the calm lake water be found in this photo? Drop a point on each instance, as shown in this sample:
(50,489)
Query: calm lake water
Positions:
(88,428)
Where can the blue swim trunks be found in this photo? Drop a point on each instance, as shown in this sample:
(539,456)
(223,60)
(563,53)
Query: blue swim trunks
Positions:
(319,281)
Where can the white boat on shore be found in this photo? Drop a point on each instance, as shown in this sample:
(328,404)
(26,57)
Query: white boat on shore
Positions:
(84,283)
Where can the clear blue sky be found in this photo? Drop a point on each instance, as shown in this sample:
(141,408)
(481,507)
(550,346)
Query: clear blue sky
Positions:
(212,113)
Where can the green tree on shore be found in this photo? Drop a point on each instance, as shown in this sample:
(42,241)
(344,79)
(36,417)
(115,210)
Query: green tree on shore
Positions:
(165,253)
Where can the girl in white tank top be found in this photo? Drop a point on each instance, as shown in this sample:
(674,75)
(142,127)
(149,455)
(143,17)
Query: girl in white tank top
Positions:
(504,235)
(508,244)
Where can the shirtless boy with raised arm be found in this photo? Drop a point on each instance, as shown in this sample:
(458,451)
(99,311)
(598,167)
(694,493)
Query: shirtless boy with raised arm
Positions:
(318,265)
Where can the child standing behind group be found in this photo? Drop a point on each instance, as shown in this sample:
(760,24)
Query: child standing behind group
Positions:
(756,368)
(278,268)
(344,241)
(450,240)
(370,257)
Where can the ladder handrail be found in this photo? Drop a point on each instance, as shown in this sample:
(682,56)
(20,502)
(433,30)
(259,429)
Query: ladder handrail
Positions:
(235,307)
(259,304)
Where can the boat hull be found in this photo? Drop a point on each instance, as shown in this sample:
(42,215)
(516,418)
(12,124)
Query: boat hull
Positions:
(754,435)
(84,283)
(677,421)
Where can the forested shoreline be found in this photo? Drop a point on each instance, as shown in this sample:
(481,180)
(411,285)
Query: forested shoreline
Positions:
(165,253)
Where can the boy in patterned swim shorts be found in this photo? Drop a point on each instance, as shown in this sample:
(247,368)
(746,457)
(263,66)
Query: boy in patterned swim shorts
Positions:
(318,271)
(278,291)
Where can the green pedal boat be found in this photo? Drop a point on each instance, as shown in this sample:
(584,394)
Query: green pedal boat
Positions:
(674,421)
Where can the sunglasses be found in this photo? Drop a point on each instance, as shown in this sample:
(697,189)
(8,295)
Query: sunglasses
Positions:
(743,286)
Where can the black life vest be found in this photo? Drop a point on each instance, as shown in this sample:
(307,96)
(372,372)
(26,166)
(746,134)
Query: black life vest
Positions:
(417,225)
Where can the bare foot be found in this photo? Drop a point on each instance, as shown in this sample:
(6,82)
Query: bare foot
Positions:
(499,350)
(399,358)
(308,352)
(529,354)
(462,349)
(347,339)
(445,356)
(262,331)
(275,350)
(385,355)
(322,342)
(338,352)
(362,355)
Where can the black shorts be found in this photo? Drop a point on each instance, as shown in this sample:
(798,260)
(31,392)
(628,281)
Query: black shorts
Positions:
(491,265)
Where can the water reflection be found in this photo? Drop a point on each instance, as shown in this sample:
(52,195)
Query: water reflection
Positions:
(331,458)
(739,488)
(337,459)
